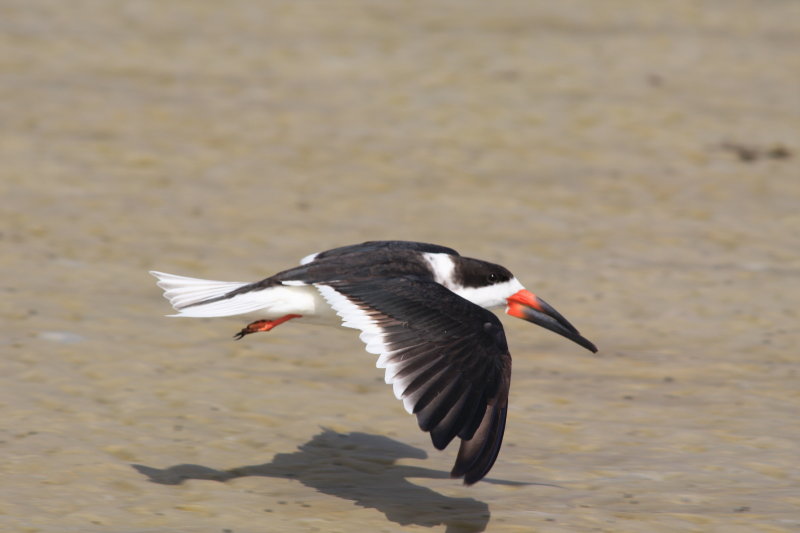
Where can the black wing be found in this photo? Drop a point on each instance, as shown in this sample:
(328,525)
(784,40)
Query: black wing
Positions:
(446,358)
(375,259)
(374,246)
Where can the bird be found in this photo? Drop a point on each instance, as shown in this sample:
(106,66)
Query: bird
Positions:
(422,308)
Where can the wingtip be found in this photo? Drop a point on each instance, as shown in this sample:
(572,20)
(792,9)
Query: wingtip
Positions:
(466,479)
(477,455)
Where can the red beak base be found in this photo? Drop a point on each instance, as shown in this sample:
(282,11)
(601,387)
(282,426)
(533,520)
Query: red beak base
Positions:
(527,306)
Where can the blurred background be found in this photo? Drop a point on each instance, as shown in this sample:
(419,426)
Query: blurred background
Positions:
(634,163)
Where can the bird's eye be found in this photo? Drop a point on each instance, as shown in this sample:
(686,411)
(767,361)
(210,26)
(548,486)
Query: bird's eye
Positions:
(492,278)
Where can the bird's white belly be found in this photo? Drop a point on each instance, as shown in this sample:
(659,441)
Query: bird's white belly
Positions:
(304,300)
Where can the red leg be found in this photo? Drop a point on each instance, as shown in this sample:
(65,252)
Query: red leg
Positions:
(263,325)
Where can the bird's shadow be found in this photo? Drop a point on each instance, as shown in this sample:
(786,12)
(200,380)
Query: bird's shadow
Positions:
(358,467)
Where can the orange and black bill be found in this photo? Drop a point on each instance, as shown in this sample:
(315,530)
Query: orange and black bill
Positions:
(527,306)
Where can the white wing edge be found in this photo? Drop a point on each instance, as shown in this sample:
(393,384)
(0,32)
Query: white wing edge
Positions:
(309,258)
(371,335)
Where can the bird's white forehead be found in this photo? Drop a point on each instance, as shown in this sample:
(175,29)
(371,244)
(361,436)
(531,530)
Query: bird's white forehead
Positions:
(494,295)
(443,268)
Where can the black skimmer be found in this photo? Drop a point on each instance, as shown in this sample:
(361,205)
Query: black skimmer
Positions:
(422,309)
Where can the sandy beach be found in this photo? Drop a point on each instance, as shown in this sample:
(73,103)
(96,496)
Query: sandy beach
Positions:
(636,164)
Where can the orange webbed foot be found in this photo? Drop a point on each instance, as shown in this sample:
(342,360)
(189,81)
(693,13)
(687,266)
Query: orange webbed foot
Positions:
(263,325)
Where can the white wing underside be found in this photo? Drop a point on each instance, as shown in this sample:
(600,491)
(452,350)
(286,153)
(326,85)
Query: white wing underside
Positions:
(371,335)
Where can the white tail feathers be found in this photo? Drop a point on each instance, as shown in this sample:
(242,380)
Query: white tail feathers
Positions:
(205,298)
(186,295)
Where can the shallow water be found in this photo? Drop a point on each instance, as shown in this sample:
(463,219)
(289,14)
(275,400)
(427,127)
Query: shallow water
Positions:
(636,164)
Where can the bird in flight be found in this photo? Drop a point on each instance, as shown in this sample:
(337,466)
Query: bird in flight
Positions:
(422,308)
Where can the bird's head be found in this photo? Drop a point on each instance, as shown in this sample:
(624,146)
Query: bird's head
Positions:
(490,285)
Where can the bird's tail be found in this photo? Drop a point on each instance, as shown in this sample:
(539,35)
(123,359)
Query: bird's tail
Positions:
(204,298)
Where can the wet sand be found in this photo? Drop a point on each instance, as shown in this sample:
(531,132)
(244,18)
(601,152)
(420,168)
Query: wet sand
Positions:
(636,164)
